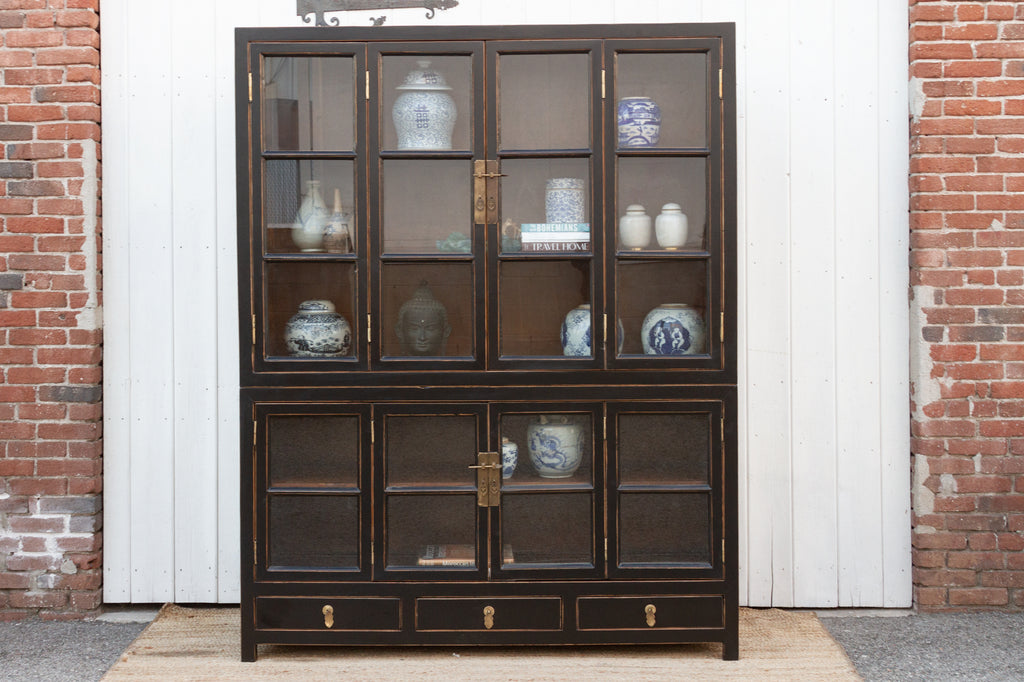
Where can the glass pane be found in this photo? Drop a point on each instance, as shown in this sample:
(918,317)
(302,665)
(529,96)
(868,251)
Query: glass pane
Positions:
(308,103)
(314,451)
(427,206)
(664,528)
(664,448)
(652,187)
(431,531)
(547,529)
(309,206)
(541,308)
(548,202)
(662,99)
(427,310)
(552,448)
(427,103)
(662,307)
(329,536)
(559,87)
(310,309)
(430,450)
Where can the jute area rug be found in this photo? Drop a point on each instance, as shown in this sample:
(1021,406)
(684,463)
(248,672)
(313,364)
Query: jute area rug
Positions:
(202,644)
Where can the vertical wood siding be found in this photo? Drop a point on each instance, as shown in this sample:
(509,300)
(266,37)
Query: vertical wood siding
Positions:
(823,321)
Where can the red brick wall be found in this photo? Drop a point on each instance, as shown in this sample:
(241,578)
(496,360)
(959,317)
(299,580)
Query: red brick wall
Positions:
(967,261)
(50,332)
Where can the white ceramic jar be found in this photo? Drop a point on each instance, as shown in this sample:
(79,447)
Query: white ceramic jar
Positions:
(635,228)
(311,220)
(671,227)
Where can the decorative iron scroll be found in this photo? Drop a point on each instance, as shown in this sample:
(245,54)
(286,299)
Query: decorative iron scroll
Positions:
(319,7)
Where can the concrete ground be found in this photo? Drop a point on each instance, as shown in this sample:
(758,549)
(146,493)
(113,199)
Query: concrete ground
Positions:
(889,646)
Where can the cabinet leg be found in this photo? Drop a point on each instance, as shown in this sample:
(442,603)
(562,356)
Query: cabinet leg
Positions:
(731,648)
(248,649)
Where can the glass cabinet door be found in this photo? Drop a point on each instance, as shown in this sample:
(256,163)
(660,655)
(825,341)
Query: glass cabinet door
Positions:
(548,517)
(666,214)
(314,479)
(665,509)
(427,472)
(543,130)
(309,206)
(423,138)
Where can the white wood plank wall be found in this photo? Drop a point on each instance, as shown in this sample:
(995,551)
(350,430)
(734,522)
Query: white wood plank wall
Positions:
(822,156)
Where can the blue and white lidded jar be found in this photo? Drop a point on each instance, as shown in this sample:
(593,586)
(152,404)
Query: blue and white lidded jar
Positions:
(555,443)
(639,122)
(673,329)
(316,331)
(424,113)
(509,457)
(565,200)
(576,332)
(311,219)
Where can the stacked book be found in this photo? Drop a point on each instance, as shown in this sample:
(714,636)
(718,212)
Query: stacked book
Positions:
(547,237)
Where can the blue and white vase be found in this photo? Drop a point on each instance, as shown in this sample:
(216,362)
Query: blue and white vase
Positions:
(311,220)
(673,329)
(639,122)
(424,113)
(555,444)
(316,331)
(565,200)
(509,457)
(576,332)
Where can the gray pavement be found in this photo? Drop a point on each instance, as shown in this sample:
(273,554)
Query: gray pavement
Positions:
(886,646)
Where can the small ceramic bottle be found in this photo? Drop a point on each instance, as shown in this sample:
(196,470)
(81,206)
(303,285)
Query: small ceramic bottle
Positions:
(635,228)
(336,234)
(671,227)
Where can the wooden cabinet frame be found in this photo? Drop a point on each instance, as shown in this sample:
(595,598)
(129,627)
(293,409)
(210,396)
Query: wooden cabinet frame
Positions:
(332,488)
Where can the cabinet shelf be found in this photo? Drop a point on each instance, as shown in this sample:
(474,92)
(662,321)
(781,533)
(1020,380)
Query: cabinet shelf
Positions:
(375,510)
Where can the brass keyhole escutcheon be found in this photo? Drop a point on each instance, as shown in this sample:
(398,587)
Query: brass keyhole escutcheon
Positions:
(328,611)
(488,617)
(650,610)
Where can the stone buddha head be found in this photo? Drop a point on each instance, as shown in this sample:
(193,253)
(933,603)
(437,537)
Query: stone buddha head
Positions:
(422,325)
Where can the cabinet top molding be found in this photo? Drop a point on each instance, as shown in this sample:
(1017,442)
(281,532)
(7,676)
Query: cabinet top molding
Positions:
(318,7)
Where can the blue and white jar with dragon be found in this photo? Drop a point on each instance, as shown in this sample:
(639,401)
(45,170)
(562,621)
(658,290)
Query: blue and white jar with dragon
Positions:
(555,445)
(317,331)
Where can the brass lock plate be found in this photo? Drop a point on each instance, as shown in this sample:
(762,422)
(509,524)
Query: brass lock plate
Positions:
(488,479)
(485,191)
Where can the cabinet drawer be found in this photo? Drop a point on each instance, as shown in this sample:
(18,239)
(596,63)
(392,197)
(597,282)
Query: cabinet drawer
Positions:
(506,613)
(308,613)
(631,613)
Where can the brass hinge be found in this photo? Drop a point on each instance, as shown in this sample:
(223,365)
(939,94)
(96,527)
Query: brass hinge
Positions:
(254,435)
(606,547)
(723,550)
(373,429)
(604,333)
(723,430)
(250,86)
(488,479)
(721,329)
(369,333)
(367,85)
(719,84)
(254,329)
(254,551)
(604,427)
(602,83)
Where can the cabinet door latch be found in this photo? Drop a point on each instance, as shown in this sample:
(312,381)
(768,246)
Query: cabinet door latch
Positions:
(488,479)
(485,191)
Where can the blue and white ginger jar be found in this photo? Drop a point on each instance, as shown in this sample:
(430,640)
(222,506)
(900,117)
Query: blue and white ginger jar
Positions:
(424,113)
(565,200)
(576,332)
(639,122)
(673,329)
(555,444)
(509,457)
(316,331)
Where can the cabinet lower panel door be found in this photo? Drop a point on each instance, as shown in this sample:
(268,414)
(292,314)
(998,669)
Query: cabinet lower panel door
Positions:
(328,613)
(505,613)
(648,613)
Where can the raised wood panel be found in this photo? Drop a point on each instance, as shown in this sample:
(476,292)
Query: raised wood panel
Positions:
(158,535)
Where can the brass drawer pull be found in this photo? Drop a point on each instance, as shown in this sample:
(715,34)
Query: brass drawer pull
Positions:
(488,617)
(650,610)
(328,611)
